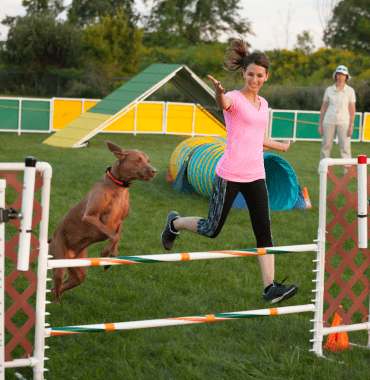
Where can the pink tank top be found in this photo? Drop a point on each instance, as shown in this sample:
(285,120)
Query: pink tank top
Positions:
(245,126)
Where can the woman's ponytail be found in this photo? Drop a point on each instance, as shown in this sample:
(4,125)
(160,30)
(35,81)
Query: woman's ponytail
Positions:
(238,56)
(235,55)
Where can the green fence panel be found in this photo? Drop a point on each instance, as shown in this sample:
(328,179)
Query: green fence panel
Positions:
(356,128)
(307,126)
(282,125)
(9,113)
(35,115)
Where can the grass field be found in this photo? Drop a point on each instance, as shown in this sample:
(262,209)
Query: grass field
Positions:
(260,348)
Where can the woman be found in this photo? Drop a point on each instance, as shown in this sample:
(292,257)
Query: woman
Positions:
(338,115)
(241,168)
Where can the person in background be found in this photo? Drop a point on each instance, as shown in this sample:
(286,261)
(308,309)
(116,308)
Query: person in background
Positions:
(241,168)
(337,115)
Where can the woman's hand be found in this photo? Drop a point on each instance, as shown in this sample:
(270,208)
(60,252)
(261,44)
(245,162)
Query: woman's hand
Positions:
(218,88)
(324,107)
(352,113)
(287,144)
(222,101)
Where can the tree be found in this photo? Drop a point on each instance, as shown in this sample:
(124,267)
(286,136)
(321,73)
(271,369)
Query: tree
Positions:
(305,42)
(325,11)
(82,12)
(113,45)
(35,7)
(188,22)
(349,27)
(38,6)
(285,25)
(203,59)
(37,42)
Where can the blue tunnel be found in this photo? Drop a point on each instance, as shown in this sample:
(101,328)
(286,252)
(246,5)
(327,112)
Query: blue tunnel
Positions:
(198,163)
(282,184)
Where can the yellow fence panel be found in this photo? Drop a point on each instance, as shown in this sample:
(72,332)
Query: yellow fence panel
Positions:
(366,127)
(90,104)
(149,117)
(65,111)
(179,118)
(125,123)
(206,124)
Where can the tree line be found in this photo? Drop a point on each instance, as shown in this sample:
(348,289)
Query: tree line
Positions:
(106,39)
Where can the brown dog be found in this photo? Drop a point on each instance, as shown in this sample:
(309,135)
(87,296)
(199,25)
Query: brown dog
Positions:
(98,216)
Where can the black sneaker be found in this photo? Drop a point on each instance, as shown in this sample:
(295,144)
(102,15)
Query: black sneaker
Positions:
(168,235)
(276,292)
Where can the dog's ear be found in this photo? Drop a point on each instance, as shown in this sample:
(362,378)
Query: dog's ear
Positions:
(119,152)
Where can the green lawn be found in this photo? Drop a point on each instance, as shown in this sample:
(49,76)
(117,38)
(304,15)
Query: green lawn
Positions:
(260,348)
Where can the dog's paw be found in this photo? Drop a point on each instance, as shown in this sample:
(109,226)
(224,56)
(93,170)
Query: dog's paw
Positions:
(105,252)
(55,298)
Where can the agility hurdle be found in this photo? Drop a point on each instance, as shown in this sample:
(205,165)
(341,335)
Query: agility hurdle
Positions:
(43,331)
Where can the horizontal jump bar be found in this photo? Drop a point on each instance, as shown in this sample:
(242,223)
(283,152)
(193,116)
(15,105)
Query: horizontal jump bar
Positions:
(87,262)
(346,328)
(28,362)
(177,321)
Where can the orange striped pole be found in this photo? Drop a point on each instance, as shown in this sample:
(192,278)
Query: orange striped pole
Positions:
(177,321)
(101,261)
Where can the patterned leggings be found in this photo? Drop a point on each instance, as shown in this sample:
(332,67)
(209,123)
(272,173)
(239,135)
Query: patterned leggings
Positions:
(222,198)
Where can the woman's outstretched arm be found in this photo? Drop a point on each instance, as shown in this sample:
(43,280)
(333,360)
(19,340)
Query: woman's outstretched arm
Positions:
(222,101)
(268,143)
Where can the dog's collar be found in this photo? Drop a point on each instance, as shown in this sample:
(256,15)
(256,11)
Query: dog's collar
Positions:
(115,180)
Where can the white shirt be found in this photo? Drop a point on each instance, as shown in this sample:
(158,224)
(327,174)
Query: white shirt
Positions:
(338,111)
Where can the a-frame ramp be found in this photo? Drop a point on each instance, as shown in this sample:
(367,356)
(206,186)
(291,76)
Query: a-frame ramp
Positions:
(124,99)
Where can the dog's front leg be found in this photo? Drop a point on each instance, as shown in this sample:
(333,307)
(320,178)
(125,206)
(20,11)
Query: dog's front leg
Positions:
(95,221)
(112,249)
(98,202)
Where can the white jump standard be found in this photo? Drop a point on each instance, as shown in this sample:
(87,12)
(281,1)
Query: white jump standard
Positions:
(362,202)
(319,330)
(26,220)
(38,358)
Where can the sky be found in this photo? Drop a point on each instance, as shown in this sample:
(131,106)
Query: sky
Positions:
(275,24)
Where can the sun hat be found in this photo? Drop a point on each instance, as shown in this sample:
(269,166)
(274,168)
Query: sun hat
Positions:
(343,70)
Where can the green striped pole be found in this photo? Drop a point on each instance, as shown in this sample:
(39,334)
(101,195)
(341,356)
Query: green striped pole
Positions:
(86,262)
(68,330)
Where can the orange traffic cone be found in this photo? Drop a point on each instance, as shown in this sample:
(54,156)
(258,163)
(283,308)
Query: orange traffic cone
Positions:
(337,342)
(306,198)
(169,177)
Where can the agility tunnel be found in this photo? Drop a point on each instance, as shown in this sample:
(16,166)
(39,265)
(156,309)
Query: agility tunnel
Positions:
(193,164)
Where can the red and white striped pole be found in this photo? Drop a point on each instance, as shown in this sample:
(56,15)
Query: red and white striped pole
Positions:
(362,201)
